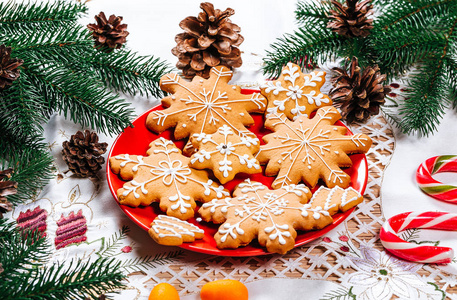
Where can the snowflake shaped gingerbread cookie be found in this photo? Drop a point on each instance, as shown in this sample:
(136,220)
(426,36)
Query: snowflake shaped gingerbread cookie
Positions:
(294,93)
(164,176)
(309,149)
(273,216)
(204,105)
(226,153)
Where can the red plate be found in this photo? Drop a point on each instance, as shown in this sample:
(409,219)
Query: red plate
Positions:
(136,141)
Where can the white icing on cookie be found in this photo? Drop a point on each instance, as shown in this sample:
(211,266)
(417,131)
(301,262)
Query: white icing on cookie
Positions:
(172,172)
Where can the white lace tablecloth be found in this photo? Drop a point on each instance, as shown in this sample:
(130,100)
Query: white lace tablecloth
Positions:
(82,219)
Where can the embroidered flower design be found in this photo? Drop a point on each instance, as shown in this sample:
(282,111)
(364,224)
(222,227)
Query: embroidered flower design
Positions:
(380,276)
(126,249)
(71,230)
(33,220)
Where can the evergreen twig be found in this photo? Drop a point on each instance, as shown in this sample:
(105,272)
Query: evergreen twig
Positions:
(25,276)
(113,244)
(142,263)
(17,17)
(419,37)
(130,73)
(62,73)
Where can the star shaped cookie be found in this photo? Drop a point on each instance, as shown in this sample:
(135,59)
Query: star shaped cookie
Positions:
(204,105)
(309,149)
(225,153)
(164,176)
(294,93)
(273,216)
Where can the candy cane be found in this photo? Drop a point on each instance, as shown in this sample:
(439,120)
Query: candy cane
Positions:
(432,187)
(414,252)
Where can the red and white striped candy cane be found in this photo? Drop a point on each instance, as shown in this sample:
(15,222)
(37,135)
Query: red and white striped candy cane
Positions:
(414,252)
(432,187)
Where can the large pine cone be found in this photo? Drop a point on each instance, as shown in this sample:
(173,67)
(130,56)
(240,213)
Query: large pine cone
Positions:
(7,187)
(351,20)
(83,153)
(359,94)
(207,41)
(9,67)
(109,33)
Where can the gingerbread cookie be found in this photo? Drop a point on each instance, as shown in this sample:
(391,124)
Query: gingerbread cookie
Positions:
(164,176)
(309,149)
(170,231)
(204,105)
(294,93)
(273,216)
(225,153)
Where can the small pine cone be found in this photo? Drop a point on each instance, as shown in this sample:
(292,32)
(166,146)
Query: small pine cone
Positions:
(109,33)
(7,187)
(359,94)
(83,153)
(9,67)
(208,40)
(351,20)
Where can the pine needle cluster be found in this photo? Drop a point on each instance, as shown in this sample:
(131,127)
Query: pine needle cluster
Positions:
(62,73)
(23,256)
(417,38)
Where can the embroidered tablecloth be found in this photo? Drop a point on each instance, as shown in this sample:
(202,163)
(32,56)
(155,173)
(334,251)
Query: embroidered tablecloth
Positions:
(82,219)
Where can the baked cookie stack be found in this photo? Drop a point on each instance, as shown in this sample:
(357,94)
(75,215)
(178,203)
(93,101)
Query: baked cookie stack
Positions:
(304,148)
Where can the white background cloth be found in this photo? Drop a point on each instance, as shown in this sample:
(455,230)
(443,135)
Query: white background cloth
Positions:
(153,26)
(152,29)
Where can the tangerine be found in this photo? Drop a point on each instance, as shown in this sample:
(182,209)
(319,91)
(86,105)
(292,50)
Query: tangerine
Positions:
(164,291)
(224,289)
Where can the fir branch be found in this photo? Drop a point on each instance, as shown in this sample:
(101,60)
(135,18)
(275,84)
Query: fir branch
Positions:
(306,45)
(82,98)
(37,38)
(17,17)
(149,262)
(33,168)
(412,13)
(423,106)
(451,68)
(19,252)
(22,108)
(406,48)
(312,12)
(130,73)
(113,243)
(23,256)
(77,281)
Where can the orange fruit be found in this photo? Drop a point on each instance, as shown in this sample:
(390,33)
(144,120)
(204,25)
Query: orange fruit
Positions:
(225,289)
(164,291)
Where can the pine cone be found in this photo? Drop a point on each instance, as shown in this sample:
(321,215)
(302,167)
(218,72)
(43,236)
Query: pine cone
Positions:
(359,94)
(351,20)
(108,34)
(83,153)
(7,187)
(9,67)
(209,40)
